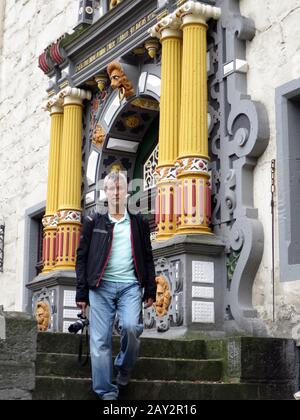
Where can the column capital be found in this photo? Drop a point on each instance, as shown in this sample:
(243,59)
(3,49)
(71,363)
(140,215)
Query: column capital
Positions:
(75,96)
(54,105)
(168,26)
(195,12)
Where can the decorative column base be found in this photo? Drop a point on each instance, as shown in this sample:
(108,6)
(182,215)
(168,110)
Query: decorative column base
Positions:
(193,196)
(165,203)
(57,290)
(67,240)
(193,269)
(49,243)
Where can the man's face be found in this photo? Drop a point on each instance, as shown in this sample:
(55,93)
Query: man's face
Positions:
(116,192)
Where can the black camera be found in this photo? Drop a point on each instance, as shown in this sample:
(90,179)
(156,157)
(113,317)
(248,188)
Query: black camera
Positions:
(79,325)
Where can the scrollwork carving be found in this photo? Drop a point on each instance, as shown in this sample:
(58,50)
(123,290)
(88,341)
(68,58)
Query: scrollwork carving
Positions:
(238,136)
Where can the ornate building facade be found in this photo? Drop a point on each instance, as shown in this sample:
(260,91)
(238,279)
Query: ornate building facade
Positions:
(197,103)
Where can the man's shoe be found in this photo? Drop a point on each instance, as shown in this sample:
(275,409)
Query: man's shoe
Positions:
(122,379)
(297,395)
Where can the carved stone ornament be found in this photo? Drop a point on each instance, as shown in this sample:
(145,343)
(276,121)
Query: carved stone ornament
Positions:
(114,3)
(167,312)
(99,136)
(42,315)
(69,216)
(50,221)
(119,80)
(163,296)
(239,134)
(195,165)
(166,174)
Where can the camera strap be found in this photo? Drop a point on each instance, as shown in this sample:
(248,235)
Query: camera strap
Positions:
(83,362)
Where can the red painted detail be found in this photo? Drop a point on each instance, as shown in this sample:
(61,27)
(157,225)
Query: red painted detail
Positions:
(43,62)
(61,244)
(157,208)
(163,208)
(57,244)
(55,53)
(179,205)
(208,204)
(171,215)
(67,244)
(48,250)
(194,202)
(53,248)
(74,236)
(186,199)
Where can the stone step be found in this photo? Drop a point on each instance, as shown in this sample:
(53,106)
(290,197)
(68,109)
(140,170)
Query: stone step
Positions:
(53,388)
(150,347)
(146,368)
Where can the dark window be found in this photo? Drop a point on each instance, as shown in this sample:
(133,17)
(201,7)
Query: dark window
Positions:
(288,158)
(39,265)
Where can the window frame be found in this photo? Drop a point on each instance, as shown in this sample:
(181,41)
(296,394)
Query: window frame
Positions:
(286,96)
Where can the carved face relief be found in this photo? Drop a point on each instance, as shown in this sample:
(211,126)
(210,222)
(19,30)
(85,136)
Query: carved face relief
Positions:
(115,78)
(42,315)
(99,136)
(119,80)
(163,296)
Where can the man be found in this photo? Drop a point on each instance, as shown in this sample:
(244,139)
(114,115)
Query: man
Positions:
(114,265)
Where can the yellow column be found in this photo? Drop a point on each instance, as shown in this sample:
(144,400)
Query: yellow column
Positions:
(70,179)
(49,220)
(194,195)
(171,39)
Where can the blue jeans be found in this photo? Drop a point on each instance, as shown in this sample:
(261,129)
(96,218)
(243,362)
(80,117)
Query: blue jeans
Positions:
(125,300)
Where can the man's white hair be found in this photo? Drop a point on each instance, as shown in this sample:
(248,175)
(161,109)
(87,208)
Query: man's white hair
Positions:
(115,177)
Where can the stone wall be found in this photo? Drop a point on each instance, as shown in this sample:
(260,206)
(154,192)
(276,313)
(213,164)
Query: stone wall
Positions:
(29,27)
(17,356)
(274,59)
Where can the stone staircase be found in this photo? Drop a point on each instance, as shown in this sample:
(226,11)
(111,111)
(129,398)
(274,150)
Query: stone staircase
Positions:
(192,369)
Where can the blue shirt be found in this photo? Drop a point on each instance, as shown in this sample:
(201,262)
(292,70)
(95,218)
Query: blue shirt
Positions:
(120,267)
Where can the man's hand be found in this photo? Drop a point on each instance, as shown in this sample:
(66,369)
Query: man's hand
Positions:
(82,306)
(148,303)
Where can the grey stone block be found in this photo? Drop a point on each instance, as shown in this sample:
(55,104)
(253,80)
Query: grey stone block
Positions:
(17,357)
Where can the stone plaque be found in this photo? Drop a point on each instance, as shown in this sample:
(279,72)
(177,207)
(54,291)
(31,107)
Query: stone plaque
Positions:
(203,292)
(71,313)
(69,298)
(203,312)
(203,272)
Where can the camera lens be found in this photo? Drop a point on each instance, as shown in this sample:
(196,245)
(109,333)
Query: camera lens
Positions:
(79,325)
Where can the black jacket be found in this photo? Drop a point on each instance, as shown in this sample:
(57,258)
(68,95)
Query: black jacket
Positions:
(94,252)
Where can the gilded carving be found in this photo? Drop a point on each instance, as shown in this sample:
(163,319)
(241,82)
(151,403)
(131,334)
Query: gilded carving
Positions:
(148,104)
(132,122)
(99,136)
(116,168)
(163,296)
(119,80)
(42,315)
(114,3)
